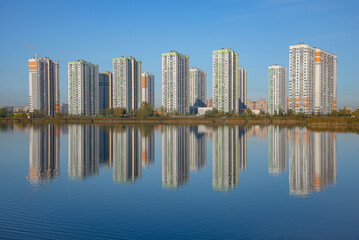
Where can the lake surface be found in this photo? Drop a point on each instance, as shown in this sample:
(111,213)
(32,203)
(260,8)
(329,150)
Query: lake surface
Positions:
(175,182)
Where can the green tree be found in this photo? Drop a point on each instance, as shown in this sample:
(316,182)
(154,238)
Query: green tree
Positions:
(3,113)
(290,112)
(145,110)
(119,112)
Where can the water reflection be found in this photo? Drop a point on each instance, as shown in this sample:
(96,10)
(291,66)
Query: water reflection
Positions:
(84,150)
(127,149)
(277,150)
(127,162)
(44,153)
(312,160)
(175,158)
(229,156)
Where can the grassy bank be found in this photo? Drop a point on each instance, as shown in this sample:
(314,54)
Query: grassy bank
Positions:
(293,121)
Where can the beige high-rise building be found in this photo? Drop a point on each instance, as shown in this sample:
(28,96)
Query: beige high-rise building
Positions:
(44,86)
(148,88)
(312,80)
(175,82)
(83,95)
(197,86)
(226,87)
(277,89)
(126,83)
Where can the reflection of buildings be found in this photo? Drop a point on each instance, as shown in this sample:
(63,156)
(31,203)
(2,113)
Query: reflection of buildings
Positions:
(197,149)
(312,160)
(277,150)
(175,161)
(83,150)
(104,147)
(229,156)
(44,163)
(127,161)
(147,149)
(257,131)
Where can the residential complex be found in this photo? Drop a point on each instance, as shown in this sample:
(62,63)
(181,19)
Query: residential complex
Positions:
(44,87)
(126,83)
(312,80)
(277,89)
(175,82)
(104,90)
(83,95)
(228,81)
(261,105)
(148,88)
(197,87)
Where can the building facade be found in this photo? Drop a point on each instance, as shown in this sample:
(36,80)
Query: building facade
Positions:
(44,85)
(197,87)
(242,78)
(148,88)
(226,84)
(175,82)
(126,83)
(261,105)
(104,90)
(277,89)
(312,80)
(83,95)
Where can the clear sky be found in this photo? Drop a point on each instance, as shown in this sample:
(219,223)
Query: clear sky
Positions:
(97,31)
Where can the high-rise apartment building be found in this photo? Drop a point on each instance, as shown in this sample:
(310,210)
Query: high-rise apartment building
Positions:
(197,87)
(312,80)
(44,87)
(242,78)
(175,82)
(227,82)
(83,87)
(104,90)
(277,89)
(108,76)
(126,83)
(148,88)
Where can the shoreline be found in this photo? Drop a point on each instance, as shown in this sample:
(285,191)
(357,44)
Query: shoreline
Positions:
(310,122)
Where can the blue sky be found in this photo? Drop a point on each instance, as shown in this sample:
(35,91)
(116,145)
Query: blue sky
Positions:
(97,31)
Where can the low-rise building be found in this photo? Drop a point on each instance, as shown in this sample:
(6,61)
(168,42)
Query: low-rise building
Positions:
(203,110)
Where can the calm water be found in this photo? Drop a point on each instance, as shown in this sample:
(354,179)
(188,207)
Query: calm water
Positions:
(141,181)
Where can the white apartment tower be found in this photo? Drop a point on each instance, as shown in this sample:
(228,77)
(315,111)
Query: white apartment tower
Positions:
(126,83)
(83,86)
(197,86)
(147,88)
(312,80)
(242,78)
(226,84)
(277,89)
(175,82)
(44,90)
